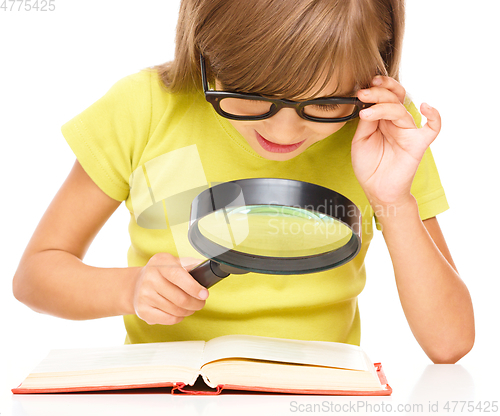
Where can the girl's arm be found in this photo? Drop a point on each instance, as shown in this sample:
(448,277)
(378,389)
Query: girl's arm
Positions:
(386,151)
(52,278)
(435,300)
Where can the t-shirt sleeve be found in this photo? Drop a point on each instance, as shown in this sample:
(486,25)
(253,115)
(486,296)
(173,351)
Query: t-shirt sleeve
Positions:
(426,186)
(108,137)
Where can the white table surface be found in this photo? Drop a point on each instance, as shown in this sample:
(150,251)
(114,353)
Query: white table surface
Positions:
(417,389)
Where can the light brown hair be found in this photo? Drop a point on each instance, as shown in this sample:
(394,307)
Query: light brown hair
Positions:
(283,48)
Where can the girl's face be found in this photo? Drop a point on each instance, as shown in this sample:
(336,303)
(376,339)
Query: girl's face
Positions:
(286,135)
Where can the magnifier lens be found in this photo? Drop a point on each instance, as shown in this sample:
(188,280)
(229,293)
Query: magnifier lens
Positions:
(274,231)
(271,226)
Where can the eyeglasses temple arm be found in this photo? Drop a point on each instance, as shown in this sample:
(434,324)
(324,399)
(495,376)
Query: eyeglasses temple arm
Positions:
(203,73)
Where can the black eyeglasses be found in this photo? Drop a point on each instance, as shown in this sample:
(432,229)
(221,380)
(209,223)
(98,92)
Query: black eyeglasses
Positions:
(242,106)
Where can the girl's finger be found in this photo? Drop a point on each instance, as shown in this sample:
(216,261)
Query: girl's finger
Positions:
(433,125)
(378,95)
(161,303)
(189,263)
(171,269)
(389,111)
(184,281)
(364,130)
(392,85)
(153,316)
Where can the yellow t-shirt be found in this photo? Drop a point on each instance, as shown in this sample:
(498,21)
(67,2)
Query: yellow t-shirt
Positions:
(156,151)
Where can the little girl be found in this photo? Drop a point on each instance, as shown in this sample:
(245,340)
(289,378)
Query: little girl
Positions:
(161,136)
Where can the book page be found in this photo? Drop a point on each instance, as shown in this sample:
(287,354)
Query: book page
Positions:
(177,354)
(271,375)
(328,354)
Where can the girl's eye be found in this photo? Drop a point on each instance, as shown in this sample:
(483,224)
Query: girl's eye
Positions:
(329,110)
(326,107)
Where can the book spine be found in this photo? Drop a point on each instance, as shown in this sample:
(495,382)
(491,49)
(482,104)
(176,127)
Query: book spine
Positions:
(181,388)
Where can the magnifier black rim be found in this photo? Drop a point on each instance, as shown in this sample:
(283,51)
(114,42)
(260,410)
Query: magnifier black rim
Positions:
(281,192)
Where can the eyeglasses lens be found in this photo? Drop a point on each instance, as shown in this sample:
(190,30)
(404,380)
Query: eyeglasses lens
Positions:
(247,107)
(242,107)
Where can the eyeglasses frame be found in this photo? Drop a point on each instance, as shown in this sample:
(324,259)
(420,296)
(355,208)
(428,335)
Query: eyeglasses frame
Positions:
(215,97)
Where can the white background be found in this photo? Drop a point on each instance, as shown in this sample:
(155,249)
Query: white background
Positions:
(55,64)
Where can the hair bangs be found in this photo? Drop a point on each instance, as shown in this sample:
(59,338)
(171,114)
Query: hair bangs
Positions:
(279,76)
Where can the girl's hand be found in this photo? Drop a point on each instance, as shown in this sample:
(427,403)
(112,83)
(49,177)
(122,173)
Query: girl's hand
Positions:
(387,147)
(165,293)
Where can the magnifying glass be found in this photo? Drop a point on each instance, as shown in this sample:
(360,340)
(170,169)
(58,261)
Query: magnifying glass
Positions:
(271,226)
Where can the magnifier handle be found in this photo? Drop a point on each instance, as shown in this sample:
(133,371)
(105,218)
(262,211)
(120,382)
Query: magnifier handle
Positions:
(208,273)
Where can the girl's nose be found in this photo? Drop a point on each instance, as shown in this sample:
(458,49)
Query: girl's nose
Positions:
(286,126)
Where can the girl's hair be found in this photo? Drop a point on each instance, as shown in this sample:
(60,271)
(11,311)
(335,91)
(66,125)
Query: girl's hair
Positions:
(285,48)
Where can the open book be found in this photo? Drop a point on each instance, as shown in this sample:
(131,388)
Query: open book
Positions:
(236,362)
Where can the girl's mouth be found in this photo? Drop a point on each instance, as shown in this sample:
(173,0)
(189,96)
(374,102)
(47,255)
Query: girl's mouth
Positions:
(277,148)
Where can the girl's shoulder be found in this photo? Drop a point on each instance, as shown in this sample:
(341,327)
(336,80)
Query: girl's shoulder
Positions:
(146,86)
